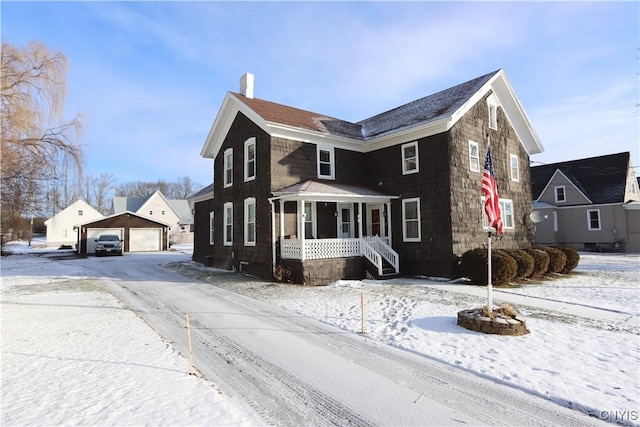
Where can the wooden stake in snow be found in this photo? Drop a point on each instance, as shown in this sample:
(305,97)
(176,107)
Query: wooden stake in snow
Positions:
(489,285)
(362,310)
(192,371)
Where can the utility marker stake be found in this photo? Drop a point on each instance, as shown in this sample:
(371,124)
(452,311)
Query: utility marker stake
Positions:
(192,371)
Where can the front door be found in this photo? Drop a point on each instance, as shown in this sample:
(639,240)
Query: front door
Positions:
(375,220)
(345,220)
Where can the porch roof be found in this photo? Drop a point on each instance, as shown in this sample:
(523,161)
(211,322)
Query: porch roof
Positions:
(329,191)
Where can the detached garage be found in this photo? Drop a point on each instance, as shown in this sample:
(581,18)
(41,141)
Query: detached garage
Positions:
(138,234)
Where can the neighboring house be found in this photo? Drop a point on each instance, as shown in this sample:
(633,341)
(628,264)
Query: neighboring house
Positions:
(175,212)
(60,227)
(397,193)
(138,234)
(589,204)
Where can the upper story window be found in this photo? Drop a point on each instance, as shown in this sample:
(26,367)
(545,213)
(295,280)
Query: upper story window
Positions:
(474,157)
(411,220)
(593,219)
(211,218)
(492,105)
(80,212)
(515,168)
(326,163)
(410,158)
(561,196)
(250,221)
(250,159)
(228,224)
(150,212)
(228,167)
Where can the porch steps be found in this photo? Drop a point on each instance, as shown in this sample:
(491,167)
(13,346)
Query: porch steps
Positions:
(388,272)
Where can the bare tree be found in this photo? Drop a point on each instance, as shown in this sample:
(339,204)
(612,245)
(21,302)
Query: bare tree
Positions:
(38,149)
(101,187)
(179,189)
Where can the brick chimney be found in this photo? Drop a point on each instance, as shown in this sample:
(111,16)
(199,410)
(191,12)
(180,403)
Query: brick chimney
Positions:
(246,85)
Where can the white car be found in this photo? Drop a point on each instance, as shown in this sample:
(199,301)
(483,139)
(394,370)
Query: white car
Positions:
(108,244)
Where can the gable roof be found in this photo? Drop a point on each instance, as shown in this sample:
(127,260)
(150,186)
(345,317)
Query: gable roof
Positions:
(199,196)
(427,116)
(602,179)
(180,207)
(77,205)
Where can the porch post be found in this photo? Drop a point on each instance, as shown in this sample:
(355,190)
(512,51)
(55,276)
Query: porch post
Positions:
(360,220)
(388,224)
(273,236)
(301,229)
(281,219)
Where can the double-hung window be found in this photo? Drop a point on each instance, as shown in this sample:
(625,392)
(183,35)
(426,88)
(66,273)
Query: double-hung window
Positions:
(474,157)
(410,163)
(250,221)
(211,217)
(506,214)
(228,167)
(593,219)
(228,224)
(250,159)
(561,196)
(411,220)
(326,163)
(515,167)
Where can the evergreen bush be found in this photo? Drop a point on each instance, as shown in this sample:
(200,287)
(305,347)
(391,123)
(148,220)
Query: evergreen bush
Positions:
(525,263)
(503,267)
(540,264)
(557,259)
(573,258)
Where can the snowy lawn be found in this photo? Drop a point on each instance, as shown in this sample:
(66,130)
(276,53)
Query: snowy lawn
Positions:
(72,355)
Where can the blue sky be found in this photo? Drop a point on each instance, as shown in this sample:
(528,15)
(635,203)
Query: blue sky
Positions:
(148,78)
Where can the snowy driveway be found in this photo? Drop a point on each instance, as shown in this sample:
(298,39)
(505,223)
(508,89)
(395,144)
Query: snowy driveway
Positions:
(292,370)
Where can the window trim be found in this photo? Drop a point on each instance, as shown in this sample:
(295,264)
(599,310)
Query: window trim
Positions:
(332,163)
(339,220)
(313,222)
(211,227)
(227,235)
(564,193)
(474,158)
(249,201)
(405,238)
(406,171)
(597,211)
(227,167)
(514,176)
(248,143)
(507,223)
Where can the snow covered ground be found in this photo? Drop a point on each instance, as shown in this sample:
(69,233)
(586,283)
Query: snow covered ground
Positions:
(72,355)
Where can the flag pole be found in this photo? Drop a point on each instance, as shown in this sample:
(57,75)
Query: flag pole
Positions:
(489,285)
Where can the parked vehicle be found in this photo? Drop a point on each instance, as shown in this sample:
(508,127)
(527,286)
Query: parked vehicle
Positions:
(108,244)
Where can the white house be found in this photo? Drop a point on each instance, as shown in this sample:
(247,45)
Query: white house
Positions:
(157,207)
(60,226)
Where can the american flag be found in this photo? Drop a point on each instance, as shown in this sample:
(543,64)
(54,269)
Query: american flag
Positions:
(490,191)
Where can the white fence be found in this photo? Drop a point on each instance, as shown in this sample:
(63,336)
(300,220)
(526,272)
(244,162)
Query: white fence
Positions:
(373,248)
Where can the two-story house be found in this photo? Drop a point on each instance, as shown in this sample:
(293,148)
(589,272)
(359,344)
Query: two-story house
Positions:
(589,204)
(397,193)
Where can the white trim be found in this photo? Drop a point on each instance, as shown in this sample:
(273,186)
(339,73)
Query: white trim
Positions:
(546,187)
(249,142)
(474,158)
(555,220)
(339,220)
(564,193)
(492,107)
(503,203)
(403,147)
(514,176)
(227,165)
(589,220)
(211,227)
(227,220)
(404,220)
(331,162)
(314,220)
(249,201)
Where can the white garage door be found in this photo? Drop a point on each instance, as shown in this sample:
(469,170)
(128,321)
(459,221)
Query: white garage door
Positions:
(94,233)
(145,239)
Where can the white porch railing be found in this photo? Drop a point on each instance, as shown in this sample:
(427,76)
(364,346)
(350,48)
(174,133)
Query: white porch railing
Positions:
(373,248)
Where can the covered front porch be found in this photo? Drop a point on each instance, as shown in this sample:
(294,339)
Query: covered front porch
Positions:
(323,220)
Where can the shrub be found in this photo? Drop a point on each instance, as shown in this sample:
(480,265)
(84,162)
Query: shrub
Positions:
(573,258)
(525,263)
(540,262)
(503,267)
(283,274)
(557,259)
